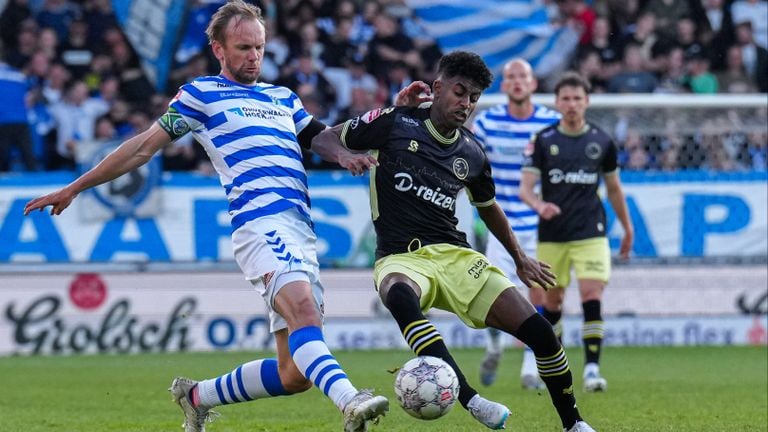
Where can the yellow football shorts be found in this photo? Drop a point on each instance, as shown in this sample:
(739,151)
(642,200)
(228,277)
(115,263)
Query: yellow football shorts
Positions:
(451,278)
(590,259)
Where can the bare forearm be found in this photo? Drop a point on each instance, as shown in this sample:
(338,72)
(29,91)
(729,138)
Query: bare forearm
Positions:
(328,146)
(619,204)
(497,224)
(130,155)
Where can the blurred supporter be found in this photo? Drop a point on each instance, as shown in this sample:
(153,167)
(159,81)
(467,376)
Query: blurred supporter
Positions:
(755,57)
(48,43)
(390,46)
(15,13)
(699,79)
(98,17)
(672,72)
(577,14)
(755,151)
(605,43)
(53,88)
(58,15)
(339,49)
(306,79)
(14,130)
(76,52)
(75,118)
(667,14)
(734,79)
(633,78)
(19,55)
(756,13)
(715,28)
(643,36)
(590,67)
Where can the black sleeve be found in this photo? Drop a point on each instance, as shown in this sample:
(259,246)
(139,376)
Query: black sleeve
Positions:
(368,131)
(313,128)
(610,161)
(482,189)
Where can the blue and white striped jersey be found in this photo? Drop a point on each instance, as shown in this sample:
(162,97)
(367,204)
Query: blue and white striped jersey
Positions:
(505,139)
(250,134)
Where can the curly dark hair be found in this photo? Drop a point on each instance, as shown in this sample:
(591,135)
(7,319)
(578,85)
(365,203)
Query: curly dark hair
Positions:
(466,65)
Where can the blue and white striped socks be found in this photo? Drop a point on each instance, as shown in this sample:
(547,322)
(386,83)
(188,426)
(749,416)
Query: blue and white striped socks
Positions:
(315,361)
(253,380)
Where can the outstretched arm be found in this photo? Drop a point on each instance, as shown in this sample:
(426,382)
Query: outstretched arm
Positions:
(130,155)
(529,270)
(616,198)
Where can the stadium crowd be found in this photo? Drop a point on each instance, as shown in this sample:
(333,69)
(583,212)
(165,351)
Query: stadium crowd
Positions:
(70,74)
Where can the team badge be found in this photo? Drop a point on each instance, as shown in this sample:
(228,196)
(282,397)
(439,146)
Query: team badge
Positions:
(554,150)
(460,168)
(593,150)
(413,146)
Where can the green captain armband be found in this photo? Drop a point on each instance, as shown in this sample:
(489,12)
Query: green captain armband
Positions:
(173,124)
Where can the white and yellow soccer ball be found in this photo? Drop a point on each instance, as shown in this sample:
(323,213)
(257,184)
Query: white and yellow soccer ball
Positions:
(426,387)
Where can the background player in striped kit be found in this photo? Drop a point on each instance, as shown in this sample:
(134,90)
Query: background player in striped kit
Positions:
(505,131)
(569,159)
(252,131)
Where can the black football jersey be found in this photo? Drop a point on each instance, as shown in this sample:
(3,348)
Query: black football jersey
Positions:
(420,173)
(570,167)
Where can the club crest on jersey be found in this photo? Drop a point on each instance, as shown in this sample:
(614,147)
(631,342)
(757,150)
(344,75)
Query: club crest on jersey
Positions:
(413,146)
(593,150)
(460,168)
(554,150)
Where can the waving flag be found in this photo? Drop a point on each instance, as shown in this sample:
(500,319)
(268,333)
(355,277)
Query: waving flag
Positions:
(498,30)
(152,27)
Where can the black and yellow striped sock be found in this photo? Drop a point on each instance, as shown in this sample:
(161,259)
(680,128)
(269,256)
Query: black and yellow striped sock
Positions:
(592,331)
(421,335)
(552,364)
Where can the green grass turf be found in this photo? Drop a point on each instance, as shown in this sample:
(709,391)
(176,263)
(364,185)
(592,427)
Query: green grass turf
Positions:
(650,389)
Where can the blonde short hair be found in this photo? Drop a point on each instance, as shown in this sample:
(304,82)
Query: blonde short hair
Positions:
(237,9)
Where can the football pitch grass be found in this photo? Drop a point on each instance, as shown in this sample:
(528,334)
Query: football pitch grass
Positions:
(650,389)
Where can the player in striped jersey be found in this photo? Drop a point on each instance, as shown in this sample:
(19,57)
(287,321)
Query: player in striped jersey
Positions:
(252,133)
(505,131)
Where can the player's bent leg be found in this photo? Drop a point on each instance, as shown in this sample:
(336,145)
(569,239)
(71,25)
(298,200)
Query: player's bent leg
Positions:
(513,313)
(553,309)
(400,295)
(314,360)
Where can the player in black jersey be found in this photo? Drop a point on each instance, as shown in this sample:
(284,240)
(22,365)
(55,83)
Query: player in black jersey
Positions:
(424,158)
(569,158)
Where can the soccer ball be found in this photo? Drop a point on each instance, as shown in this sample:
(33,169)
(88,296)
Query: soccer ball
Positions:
(426,387)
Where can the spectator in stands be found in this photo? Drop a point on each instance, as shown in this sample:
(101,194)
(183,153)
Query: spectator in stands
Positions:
(58,15)
(685,37)
(308,42)
(715,29)
(606,44)
(590,67)
(756,150)
(755,57)
(15,13)
(756,13)
(307,79)
(389,46)
(398,77)
(19,55)
(48,43)
(643,36)
(633,79)
(53,88)
(734,79)
(134,86)
(635,157)
(99,17)
(14,130)
(75,118)
(667,13)
(363,100)
(672,72)
(76,51)
(699,79)
(577,14)
(339,49)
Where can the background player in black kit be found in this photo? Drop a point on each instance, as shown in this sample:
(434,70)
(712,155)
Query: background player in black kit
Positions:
(569,158)
(425,157)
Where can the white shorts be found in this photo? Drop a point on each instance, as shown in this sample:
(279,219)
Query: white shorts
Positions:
(499,256)
(275,250)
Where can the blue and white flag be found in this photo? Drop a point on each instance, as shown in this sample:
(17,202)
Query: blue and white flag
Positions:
(152,28)
(498,30)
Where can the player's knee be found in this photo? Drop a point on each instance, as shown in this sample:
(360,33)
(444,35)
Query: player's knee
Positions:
(399,294)
(293,381)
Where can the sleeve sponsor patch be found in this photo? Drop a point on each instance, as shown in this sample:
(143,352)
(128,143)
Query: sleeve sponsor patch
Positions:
(374,114)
